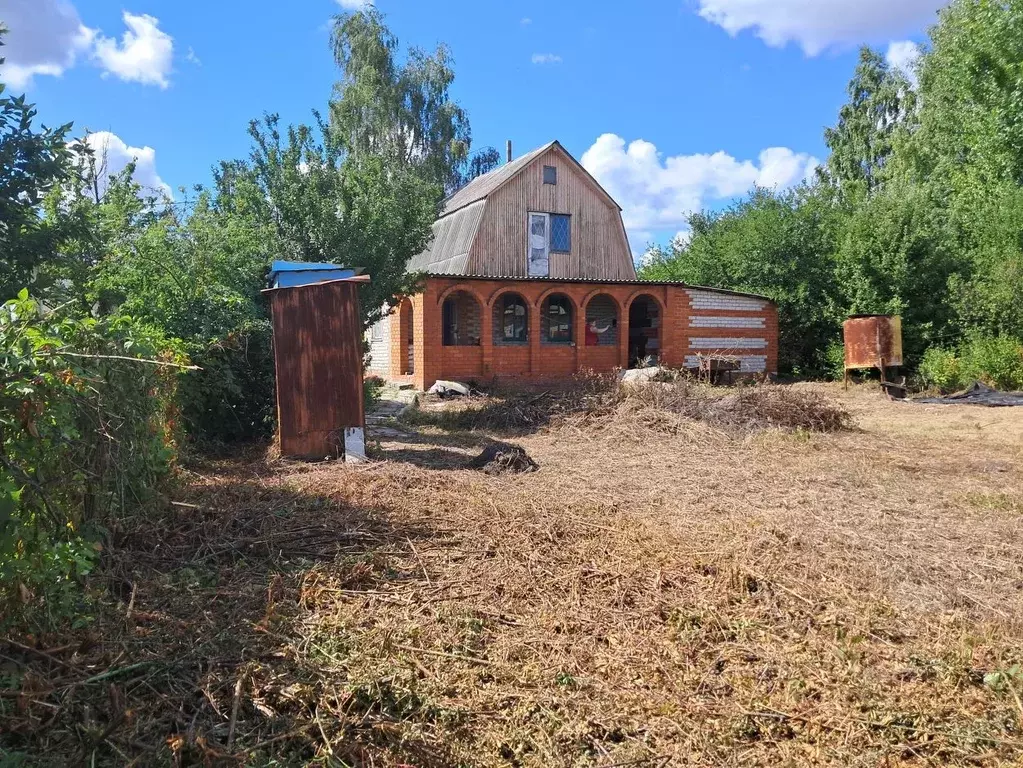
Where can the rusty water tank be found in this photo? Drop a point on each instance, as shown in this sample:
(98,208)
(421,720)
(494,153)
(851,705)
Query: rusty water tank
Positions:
(873,341)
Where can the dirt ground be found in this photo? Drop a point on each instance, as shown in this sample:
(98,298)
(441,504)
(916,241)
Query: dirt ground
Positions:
(700,599)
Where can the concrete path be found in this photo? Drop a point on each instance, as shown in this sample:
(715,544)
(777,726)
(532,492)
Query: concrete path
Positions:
(381,419)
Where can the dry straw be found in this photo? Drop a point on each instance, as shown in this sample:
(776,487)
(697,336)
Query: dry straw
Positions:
(668,589)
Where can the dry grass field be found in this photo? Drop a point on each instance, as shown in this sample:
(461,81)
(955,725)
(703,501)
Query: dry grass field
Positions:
(692,596)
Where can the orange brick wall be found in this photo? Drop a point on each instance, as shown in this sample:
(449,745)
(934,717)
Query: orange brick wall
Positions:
(750,331)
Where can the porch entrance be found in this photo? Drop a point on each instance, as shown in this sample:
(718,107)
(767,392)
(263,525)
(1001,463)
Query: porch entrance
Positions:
(644,332)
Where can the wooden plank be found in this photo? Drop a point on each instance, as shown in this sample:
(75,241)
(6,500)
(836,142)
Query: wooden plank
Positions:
(600,249)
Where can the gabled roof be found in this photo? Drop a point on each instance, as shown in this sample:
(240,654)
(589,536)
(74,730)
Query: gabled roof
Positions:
(452,238)
(462,211)
(483,186)
(480,187)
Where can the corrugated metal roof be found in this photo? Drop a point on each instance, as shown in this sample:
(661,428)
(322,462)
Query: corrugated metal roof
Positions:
(600,281)
(280,265)
(452,237)
(481,186)
(455,230)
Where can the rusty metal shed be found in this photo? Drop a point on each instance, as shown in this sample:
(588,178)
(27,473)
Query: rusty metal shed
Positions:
(317,333)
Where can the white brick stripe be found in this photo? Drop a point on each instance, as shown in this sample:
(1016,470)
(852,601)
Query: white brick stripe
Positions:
(712,321)
(709,300)
(750,364)
(725,343)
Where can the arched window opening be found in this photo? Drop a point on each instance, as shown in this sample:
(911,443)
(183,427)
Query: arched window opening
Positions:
(460,319)
(602,322)
(406,339)
(511,320)
(557,320)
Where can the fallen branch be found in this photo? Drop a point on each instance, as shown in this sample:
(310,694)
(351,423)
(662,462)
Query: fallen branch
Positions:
(164,363)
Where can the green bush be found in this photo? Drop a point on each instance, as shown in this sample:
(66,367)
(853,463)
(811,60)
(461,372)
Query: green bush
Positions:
(940,368)
(834,358)
(994,360)
(86,434)
(232,397)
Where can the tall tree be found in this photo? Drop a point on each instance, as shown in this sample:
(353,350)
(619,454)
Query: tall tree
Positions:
(33,162)
(969,148)
(483,161)
(971,85)
(399,110)
(881,102)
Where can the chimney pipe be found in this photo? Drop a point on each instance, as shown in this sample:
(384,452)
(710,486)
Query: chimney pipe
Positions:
(509,151)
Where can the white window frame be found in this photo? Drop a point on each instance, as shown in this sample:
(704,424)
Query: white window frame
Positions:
(529,243)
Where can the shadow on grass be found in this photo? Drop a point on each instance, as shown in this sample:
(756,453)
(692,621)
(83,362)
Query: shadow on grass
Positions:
(432,450)
(199,652)
(513,414)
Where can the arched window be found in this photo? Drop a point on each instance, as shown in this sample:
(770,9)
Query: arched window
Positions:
(460,320)
(601,322)
(557,320)
(511,320)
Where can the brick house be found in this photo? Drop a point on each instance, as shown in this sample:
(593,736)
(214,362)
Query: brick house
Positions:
(530,276)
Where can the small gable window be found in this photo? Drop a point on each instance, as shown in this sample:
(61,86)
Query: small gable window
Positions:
(550,174)
(561,233)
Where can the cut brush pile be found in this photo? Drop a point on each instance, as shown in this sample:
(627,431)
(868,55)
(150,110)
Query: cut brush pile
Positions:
(604,404)
(666,406)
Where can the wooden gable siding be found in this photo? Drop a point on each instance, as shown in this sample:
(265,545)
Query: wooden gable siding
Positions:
(600,249)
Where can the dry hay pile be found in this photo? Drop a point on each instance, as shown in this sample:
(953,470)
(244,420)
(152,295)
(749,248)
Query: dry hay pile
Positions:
(601,403)
(673,406)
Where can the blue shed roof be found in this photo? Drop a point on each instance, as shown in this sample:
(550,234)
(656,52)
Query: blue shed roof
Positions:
(287,274)
(302,266)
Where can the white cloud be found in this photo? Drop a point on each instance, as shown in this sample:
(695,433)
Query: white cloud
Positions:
(817,25)
(526,21)
(112,155)
(546,58)
(354,5)
(45,37)
(191,58)
(143,55)
(903,56)
(658,193)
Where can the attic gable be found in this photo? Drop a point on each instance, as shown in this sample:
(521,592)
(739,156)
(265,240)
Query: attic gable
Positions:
(483,186)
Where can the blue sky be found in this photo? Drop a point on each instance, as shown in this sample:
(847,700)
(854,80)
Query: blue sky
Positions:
(675,105)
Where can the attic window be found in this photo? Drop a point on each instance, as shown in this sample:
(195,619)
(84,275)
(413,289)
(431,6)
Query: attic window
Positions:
(561,233)
(550,174)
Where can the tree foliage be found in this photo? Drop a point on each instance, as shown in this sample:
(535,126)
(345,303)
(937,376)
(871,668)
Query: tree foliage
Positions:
(86,434)
(400,111)
(923,191)
(327,204)
(881,102)
(769,244)
(33,162)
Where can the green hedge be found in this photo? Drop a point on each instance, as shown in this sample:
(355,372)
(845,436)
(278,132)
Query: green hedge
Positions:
(87,432)
(994,360)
